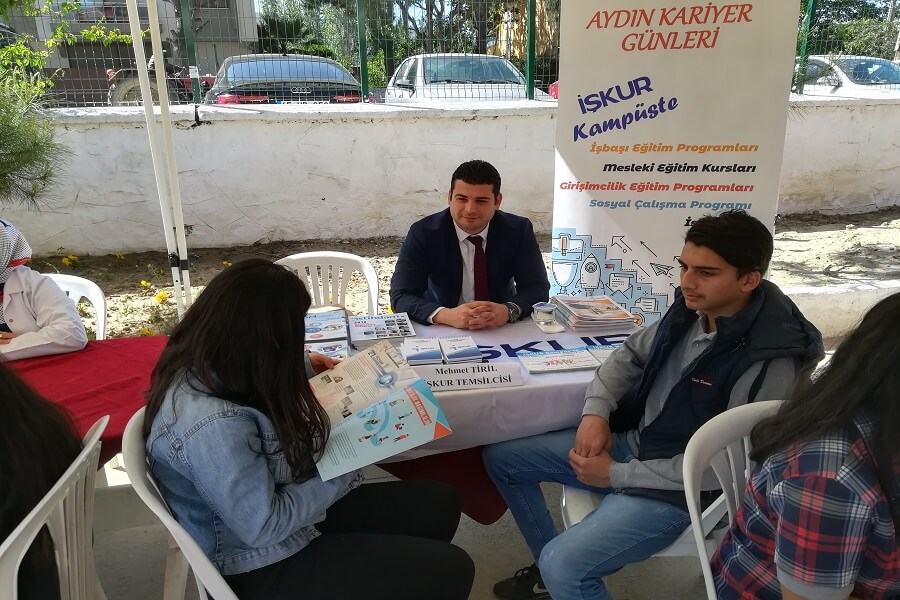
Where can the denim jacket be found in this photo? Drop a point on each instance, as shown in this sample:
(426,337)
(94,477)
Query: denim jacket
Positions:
(219,469)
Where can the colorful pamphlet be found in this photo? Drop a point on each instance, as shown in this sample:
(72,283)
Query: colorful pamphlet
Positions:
(558,360)
(460,349)
(592,314)
(378,407)
(422,351)
(336,349)
(366,330)
(326,326)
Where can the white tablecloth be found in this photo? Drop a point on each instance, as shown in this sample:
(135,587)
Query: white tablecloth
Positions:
(546,401)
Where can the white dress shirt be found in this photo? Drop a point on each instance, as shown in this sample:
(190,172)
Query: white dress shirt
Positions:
(467,250)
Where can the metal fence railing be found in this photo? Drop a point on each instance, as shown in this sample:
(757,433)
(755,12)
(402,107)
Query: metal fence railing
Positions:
(394,50)
(848,48)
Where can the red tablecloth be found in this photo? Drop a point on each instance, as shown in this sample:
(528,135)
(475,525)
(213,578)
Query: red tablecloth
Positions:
(108,377)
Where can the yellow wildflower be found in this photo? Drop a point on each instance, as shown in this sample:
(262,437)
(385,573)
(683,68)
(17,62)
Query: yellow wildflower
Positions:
(65,260)
(145,284)
(226,263)
(161,296)
(146,331)
(120,256)
(72,258)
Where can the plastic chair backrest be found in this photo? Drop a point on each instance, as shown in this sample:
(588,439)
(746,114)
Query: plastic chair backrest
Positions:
(722,443)
(77,288)
(209,581)
(68,512)
(327,276)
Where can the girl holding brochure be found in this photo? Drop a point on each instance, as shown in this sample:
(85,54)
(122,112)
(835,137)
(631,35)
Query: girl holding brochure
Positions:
(233,431)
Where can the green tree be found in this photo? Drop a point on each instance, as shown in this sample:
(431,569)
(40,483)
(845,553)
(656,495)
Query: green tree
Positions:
(30,155)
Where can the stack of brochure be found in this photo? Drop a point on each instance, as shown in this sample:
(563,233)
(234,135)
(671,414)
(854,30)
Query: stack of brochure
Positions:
(593,314)
(326,333)
(559,360)
(366,330)
(422,351)
(461,349)
(378,407)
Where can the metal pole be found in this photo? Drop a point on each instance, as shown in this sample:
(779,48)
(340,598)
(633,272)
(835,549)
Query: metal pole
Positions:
(177,261)
(529,50)
(804,35)
(187,23)
(162,184)
(363,51)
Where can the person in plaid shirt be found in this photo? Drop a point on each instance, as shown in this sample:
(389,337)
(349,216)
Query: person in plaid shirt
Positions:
(821,515)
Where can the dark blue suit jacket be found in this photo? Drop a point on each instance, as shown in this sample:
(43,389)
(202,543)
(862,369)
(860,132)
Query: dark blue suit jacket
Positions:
(429,269)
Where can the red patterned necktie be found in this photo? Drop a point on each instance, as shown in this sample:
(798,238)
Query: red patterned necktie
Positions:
(480,269)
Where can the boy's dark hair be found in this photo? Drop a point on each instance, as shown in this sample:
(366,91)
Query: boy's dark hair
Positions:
(477,172)
(742,240)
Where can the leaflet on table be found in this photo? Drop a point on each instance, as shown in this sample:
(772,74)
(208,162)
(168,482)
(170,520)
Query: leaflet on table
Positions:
(421,351)
(558,360)
(368,329)
(409,418)
(460,349)
(325,326)
(336,349)
(364,379)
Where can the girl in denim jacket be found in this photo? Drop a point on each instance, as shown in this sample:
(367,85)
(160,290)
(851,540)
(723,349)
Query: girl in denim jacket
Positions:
(233,431)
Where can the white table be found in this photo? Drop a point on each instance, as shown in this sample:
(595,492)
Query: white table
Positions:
(546,401)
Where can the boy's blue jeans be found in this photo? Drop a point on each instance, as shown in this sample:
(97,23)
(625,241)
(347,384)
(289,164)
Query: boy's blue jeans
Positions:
(623,530)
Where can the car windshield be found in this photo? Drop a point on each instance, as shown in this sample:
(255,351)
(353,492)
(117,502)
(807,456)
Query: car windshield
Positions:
(286,69)
(470,69)
(869,71)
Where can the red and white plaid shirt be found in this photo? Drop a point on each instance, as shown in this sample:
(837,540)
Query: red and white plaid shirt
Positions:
(815,520)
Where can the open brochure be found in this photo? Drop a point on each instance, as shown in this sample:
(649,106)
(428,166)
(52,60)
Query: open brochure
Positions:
(378,407)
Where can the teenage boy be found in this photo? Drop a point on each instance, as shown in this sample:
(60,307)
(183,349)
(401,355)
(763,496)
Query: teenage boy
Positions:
(729,338)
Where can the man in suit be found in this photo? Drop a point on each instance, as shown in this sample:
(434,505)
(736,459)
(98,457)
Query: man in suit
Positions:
(470,266)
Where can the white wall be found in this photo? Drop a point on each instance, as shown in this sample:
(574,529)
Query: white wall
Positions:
(370,170)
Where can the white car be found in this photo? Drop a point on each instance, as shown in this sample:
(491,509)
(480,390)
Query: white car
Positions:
(431,77)
(852,77)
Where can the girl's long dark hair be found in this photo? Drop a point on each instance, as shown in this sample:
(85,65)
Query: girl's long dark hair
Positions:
(38,444)
(243,339)
(862,376)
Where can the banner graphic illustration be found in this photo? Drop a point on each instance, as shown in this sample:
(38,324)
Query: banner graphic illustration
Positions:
(668,111)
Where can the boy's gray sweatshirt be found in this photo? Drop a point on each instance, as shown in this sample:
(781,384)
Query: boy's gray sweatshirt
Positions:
(624,368)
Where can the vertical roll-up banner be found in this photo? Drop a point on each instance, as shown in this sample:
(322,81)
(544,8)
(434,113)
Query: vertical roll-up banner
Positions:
(669,110)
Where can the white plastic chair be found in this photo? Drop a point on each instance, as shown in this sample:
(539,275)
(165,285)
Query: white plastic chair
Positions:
(77,288)
(68,512)
(210,582)
(723,443)
(327,276)
(577,503)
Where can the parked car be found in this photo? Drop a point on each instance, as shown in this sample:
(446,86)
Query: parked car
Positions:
(282,79)
(449,76)
(851,77)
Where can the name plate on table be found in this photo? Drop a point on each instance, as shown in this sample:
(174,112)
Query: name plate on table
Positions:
(442,378)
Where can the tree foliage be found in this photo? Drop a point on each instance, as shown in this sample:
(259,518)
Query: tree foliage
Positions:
(30,155)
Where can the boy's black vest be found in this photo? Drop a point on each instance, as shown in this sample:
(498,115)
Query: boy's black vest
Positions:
(769,327)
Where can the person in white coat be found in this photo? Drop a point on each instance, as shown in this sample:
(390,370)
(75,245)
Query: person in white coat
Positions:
(36,316)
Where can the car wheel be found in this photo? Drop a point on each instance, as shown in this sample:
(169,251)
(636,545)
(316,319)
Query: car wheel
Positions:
(128,93)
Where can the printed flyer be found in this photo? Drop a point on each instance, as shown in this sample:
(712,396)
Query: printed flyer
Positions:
(685,118)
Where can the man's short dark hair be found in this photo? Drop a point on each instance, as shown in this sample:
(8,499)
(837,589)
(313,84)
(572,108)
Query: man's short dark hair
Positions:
(477,172)
(742,240)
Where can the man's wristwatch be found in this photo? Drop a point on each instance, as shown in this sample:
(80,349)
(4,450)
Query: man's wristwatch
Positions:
(514,311)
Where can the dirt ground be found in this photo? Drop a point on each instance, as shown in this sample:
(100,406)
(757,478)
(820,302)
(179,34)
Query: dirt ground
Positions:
(813,250)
